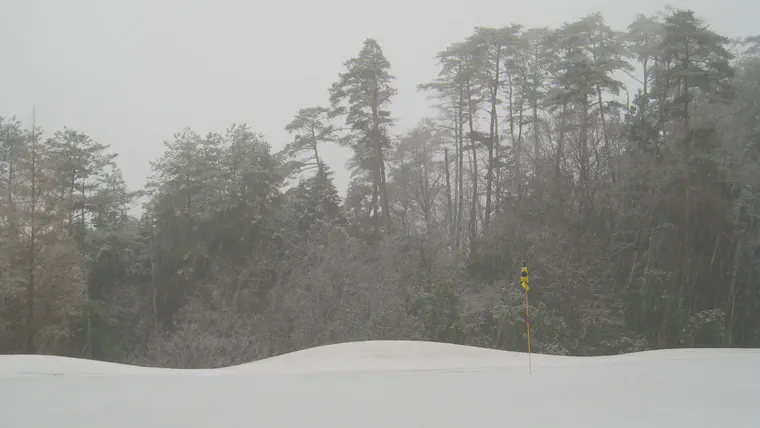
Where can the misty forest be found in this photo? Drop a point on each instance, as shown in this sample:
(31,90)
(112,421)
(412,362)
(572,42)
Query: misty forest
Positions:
(622,165)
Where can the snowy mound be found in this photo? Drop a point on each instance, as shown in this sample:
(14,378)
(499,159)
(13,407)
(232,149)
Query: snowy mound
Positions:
(394,356)
(50,365)
(392,384)
(391,355)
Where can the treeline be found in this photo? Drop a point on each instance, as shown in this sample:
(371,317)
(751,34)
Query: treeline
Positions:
(636,207)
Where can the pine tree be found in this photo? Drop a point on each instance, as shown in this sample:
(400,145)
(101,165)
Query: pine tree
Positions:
(366,90)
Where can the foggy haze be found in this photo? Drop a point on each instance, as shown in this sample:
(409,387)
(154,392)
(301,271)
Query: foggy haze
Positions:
(131,74)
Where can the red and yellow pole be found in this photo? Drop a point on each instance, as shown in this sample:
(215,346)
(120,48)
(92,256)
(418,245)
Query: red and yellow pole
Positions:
(526,286)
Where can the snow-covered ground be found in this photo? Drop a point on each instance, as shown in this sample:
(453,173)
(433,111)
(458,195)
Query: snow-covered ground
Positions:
(392,384)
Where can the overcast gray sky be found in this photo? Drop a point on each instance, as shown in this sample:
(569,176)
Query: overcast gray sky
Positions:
(132,73)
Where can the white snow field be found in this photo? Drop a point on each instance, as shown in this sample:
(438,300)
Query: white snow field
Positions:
(392,384)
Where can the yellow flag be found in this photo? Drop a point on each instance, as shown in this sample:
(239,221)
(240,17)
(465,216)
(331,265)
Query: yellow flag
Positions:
(524,277)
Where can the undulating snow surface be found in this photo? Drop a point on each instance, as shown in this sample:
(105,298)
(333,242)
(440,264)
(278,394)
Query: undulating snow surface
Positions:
(392,384)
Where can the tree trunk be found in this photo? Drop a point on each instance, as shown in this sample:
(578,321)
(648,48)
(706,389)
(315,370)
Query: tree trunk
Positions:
(460,168)
(492,141)
(449,208)
(474,165)
(605,136)
(384,193)
(584,165)
(519,148)
(536,145)
(32,257)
